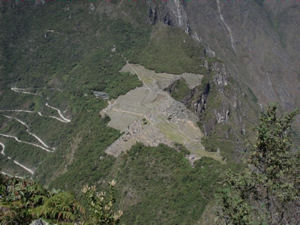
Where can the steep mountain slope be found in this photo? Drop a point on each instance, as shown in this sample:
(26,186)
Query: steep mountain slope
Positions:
(236,31)
(256,40)
(55,55)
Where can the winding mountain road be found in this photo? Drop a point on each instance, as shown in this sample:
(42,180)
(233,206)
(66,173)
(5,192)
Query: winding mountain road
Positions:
(63,119)
(24,167)
(8,174)
(3,148)
(26,142)
(28,131)
(16,110)
(39,113)
(42,145)
(22,90)
(14,161)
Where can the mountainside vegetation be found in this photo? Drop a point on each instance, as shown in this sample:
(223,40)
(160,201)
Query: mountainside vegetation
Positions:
(267,191)
(23,200)
(62,52)
(53,57)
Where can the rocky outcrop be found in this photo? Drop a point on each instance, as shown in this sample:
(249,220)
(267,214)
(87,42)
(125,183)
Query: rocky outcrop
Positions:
(171,13)
(220,75)
(223,107)
(39,222)
(254,40)
(199,103)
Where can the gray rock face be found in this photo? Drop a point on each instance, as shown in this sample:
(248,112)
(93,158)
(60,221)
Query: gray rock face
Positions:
(208,52)
(101,94)
(39,222)
(259,43)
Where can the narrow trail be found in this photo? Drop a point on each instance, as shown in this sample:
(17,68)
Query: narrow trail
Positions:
(16,110)
(22,90)
(14,161)
(33,112)
(29,132)
(59,119)
(128,112)
(26,142)
(8,174)
(18,120)
(66,120)
(24,167)
(226,25)
(3,148)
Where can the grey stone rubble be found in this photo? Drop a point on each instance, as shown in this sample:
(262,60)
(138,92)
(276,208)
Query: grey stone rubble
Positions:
(39,222)
(101,94)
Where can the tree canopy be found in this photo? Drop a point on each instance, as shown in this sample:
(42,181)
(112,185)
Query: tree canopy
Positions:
(267,191)
(23,200)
